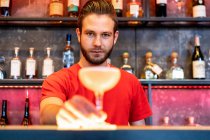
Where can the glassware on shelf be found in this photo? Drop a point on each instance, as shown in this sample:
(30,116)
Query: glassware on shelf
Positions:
(165,121)
(68,53)
(15,68)
(175,72)
(48,66)
(56,8)
(151,70)
(198,63)
(199,8)
(125,65)
(118,6)
(4,119)
(31,65)
(3,73)
(180,8)
(26,118)
(134,9)
(73,8)
(161,8)
(5,7)
(208,66)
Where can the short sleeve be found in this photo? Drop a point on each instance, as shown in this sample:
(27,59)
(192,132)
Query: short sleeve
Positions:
(140,108)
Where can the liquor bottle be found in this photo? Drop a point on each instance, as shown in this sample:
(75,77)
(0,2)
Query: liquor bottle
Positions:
(134,9)
(109,61)
(198,63)
(161,8)
(15,71)
(5,7)
(151,70)
(4,119)
(48,67)
(118,6)
(56,8)
(208,67)
(73,8)
(199,8)
(126,66)
(191,121)
(166,121)
(3,73)
(31,70)
(26,119)
(175,72)
(68,54)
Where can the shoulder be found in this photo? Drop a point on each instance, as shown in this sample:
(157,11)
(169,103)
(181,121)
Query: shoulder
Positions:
(128,77)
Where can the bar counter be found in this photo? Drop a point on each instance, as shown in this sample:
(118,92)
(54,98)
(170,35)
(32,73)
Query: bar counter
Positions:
(121,133)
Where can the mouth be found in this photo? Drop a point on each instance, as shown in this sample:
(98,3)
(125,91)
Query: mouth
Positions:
(97,51)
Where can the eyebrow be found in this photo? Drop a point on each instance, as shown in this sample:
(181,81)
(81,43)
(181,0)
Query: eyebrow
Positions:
(86,31)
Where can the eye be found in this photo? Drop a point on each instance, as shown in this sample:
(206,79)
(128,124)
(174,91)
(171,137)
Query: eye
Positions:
(90,34)
(106,35)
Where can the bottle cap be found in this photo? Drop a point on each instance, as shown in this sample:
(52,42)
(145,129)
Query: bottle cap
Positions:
(125,55)
(31,49)
(174,55)
(68,37)
(148,55)
(197,40)
(191,120)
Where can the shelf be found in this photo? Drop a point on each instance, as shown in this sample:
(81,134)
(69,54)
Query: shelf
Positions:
(21,82)
(123,21)
(166,82)
(144,82)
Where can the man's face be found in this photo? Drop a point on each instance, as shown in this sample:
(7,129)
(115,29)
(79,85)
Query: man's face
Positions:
(97,38)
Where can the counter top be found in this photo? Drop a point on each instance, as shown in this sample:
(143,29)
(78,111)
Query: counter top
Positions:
(121,133)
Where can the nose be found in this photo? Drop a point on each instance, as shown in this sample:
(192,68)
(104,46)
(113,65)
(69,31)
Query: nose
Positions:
(97,41)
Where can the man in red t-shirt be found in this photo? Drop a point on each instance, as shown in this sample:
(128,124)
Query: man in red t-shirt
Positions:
(97,33)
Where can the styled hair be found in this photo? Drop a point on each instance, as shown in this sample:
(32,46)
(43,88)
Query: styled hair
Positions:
(97,7)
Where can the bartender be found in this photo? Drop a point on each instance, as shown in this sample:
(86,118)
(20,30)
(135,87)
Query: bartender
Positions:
(126,103)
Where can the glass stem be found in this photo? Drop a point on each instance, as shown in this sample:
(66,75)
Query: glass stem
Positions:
(99,101)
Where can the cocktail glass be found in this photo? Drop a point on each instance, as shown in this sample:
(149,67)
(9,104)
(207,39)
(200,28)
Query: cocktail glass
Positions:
(99,80)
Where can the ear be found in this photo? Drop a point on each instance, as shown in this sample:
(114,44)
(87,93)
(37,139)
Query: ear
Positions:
(116,34)
(78,34)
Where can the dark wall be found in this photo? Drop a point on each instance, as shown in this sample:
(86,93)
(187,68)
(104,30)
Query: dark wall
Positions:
(161,41)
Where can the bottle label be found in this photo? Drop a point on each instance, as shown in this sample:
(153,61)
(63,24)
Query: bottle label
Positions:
(68,58)
(15,68)
(30,67)
(177,74)
(73,5)
(48,67)
(157,69)
(4,3)
(134,9)
(199,11)
(56,9)
(198,69)
(161,1)
(118,4)
(149,75)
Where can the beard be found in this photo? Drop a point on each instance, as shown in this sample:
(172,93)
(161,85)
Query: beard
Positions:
(95,60)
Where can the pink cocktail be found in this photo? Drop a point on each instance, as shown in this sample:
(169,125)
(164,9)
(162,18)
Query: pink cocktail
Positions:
(99,80)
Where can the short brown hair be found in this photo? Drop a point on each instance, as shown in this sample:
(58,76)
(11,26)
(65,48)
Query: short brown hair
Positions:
(97,7)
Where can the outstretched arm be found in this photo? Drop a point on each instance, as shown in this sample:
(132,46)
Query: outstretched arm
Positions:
(49,108)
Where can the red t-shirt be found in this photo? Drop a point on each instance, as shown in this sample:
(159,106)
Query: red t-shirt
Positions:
(125,103)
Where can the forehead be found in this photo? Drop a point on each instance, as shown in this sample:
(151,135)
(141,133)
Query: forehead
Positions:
(98,22)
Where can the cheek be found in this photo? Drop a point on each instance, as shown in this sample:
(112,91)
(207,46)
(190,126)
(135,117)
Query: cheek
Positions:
(108,43)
